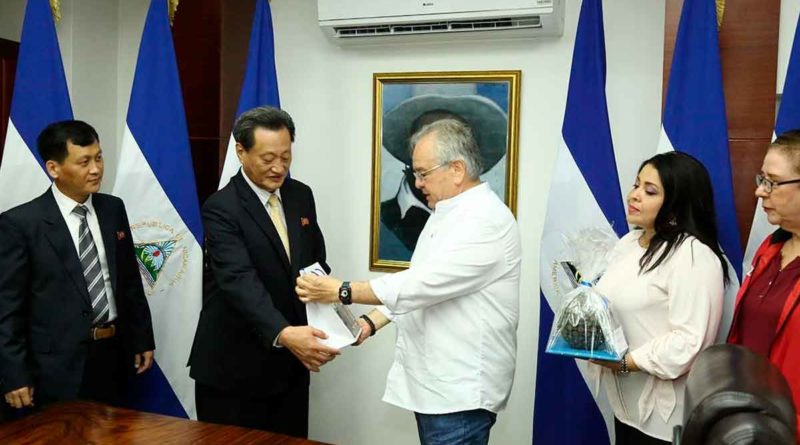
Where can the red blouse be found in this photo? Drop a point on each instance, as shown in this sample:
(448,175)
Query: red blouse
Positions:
(763,303)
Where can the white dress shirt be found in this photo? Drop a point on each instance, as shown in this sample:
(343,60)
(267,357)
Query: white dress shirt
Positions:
(263,197)
(456,309)
(66,205)
(668,316)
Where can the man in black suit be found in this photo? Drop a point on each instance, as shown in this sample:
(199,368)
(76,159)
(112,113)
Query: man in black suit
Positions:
(74,320)
(252,350)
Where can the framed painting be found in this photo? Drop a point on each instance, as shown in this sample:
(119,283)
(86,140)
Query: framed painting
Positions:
(487,101)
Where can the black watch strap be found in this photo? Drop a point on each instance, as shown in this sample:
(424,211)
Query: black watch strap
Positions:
(372,328)
(346,293)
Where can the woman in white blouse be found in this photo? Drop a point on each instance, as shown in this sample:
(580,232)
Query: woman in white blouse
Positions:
(665,283)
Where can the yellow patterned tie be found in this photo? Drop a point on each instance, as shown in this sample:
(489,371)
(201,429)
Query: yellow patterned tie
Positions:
(275,215)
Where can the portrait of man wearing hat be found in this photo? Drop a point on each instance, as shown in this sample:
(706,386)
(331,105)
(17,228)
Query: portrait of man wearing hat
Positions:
(404,215)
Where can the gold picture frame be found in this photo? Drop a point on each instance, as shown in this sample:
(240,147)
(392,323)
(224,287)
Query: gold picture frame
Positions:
(488,101)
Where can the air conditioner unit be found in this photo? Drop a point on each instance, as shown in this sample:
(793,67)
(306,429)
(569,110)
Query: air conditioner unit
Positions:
(374,21)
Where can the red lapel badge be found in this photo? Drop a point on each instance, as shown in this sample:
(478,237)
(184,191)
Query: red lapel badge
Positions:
(120,235)
(304,221)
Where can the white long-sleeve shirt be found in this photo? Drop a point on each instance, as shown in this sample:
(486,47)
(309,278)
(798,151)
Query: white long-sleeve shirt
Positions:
(668,316)
(456,309)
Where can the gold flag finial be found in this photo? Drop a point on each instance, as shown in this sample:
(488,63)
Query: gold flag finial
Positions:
(720,12)
(173,7)
(55,7)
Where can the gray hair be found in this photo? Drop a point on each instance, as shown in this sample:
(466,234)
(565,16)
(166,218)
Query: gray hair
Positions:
(454,142)
(270,118)
(788,143)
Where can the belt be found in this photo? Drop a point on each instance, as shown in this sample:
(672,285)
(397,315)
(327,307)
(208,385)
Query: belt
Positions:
(102,332)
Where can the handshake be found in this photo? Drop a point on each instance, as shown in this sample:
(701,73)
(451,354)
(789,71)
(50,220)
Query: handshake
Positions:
(312,345)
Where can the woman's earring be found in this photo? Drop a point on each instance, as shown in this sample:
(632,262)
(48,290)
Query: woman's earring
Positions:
(672,222)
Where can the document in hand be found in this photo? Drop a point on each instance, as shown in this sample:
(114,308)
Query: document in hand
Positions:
(336,320)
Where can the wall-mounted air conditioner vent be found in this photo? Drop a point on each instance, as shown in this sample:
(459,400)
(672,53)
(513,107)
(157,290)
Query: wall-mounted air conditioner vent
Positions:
(534,21)
(374,21)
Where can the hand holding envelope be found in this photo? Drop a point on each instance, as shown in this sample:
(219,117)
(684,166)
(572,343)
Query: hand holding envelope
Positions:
(335,319)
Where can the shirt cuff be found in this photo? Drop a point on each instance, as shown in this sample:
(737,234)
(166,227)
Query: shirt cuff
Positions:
(387,289)
(642,361)
(275,343)
(386,312)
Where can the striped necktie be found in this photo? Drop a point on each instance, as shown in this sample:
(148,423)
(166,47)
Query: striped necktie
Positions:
(92,273)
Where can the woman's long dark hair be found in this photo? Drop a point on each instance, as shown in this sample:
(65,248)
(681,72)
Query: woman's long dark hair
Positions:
(688,209)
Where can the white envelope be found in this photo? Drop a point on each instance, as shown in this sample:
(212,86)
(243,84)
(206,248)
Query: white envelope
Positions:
(333,319)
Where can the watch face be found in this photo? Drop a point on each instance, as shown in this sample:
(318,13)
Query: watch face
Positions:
(344,294)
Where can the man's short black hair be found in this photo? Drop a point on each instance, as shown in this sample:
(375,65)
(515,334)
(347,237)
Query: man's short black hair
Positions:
(52,141)
(270,118)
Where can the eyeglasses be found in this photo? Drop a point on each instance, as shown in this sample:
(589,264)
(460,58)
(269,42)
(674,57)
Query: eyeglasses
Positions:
(769,185)
(422,175)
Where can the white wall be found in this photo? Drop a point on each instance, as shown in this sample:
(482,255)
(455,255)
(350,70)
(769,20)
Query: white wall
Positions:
(328,90)
(790,9)
(131,16)
(88,35)
(11,13)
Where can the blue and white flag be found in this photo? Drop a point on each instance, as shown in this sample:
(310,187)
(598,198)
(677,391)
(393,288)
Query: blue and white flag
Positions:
(584,193)
(156,181)
(789,114)
(40,98)
(788,119)
(260,86)
(695,123)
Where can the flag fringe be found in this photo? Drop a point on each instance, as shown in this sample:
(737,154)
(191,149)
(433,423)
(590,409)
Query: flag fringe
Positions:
(173,8)
(55,7)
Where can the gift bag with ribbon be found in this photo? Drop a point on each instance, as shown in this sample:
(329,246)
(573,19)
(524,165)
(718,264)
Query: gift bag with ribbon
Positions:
(584,325)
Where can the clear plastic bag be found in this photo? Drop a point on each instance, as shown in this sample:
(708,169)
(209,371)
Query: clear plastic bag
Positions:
(584,326)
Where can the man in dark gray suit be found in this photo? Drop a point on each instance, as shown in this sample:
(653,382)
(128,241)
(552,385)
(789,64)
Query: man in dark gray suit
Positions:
(74,320)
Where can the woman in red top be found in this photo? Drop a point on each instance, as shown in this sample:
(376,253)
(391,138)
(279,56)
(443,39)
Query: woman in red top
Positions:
(767,319)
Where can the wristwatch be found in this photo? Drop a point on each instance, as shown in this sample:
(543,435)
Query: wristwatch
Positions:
(345,293)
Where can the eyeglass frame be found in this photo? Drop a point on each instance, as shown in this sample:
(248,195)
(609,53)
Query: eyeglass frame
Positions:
(420,176)
(770,185)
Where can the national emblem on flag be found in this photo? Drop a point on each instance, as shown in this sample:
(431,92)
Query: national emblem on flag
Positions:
(152,257)
(155,162)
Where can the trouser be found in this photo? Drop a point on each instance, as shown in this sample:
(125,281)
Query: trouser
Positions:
(285,413)
(459,428)
(628,435)
(104,373)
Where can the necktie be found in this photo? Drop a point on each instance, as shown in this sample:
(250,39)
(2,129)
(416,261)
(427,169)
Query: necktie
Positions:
(90,263)
(275,215)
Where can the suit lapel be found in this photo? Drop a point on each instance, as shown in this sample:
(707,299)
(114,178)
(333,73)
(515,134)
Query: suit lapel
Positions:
(259,214)
(108,233)
(291,210)
(59,237)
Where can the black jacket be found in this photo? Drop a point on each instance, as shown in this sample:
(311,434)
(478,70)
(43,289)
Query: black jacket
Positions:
(45,311)
(249,289)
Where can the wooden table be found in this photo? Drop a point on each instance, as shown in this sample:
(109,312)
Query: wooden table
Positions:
(82,422)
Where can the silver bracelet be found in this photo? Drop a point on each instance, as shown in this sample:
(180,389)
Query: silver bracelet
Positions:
(624,367)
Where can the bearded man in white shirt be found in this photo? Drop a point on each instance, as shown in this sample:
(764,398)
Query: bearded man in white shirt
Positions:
(456,307)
